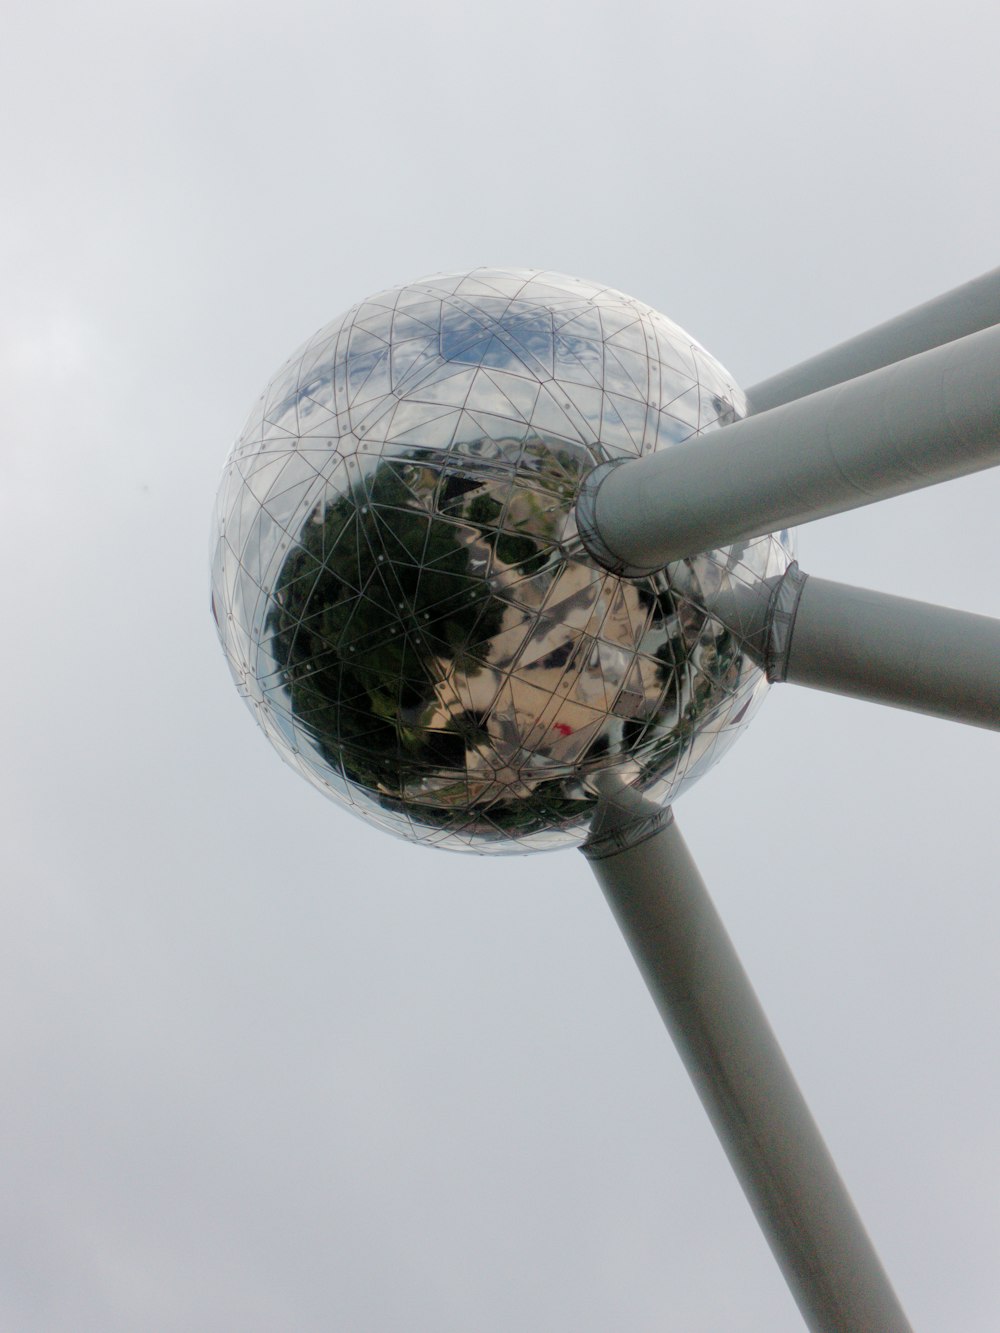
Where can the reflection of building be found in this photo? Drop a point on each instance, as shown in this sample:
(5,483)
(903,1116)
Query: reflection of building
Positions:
(400,587)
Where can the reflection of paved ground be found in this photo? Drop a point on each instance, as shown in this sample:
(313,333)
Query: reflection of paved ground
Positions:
(563,669)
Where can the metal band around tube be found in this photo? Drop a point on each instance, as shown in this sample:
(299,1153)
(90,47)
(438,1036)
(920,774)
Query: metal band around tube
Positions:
(590,535)
(781,613)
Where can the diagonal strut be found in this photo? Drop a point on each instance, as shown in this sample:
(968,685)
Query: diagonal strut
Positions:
(921,421)
(706,1001)
(966,309)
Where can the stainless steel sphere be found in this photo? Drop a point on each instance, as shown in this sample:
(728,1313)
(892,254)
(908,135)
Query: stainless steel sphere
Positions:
(399,585)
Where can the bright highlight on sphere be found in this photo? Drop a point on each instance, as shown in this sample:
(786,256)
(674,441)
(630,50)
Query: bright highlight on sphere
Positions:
(399,585)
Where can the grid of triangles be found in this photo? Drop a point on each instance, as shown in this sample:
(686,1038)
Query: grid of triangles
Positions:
(399,586)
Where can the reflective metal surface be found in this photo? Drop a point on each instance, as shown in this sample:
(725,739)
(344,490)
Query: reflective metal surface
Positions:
(400,588)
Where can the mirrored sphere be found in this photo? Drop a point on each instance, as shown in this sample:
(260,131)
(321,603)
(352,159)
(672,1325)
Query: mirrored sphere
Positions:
(399,585)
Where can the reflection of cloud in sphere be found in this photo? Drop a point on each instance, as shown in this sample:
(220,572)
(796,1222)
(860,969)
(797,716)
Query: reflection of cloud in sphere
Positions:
(398,582)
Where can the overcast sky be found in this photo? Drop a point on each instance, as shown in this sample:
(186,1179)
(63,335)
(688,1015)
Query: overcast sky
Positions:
(264,1068)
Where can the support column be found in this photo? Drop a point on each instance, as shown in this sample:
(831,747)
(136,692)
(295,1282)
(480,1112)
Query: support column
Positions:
(721,1033)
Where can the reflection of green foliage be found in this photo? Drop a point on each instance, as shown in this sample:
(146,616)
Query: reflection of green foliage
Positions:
(483,509)
(363,641)
(521,551)
(547,806)
(688,694)
(360,639)
(510,548)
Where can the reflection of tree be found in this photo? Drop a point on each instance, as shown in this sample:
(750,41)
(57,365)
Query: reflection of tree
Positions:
(384,595)
(699,661)
(375,601)
(510,548)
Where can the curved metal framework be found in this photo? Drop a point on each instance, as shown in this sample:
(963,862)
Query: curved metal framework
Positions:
(911,403)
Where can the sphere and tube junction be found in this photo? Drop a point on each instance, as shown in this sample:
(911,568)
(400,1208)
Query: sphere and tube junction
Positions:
(400,588)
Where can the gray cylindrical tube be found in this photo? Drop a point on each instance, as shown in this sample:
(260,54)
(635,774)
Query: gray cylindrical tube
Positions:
(909,425)
(891,650)
(955,314)
(719,1028)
